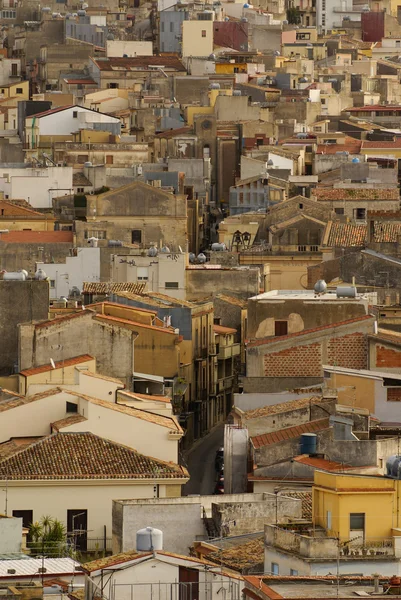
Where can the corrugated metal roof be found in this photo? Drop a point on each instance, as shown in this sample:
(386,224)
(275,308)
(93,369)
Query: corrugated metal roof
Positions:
(30,566)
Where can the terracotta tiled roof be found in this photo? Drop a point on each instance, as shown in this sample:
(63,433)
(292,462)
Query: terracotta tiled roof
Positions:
(66,456)
(16,445)
(149,397)
(111,561)
(91,287)
(239,557)
(375,107)
(58,320)
(306,499)
(322,463)
(37,237)
(283,407)
(104,377)
(52,111)
(259,441)
(223,330)
(80,81)
(232,300)
(77,360)
(387,336)
(346,235)
(173,132)
(15,210)
(129,323)
(71,420)
(170,423)
(271,340)
(391,145)
(15,401)
(352,194)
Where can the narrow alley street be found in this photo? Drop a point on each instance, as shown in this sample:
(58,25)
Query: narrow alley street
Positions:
(200,463)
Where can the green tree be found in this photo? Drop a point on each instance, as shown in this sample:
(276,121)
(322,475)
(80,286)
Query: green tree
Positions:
(293,16)
(48,536)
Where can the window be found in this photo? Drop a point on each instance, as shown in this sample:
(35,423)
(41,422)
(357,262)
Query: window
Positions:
(136,236)
(360,213)
(82,158)
(171,27)
(14,70)
(97,233)
(27,518)
(162,27)
(280,328)
(80,190)
(259,141)
(274,569)
(339,211)
(171,285)
(52,283)
(300,206)
(203,32)
(112,86)
(19,91)
(109,159)
(357,521)
(142,273)
(75,114)
(293,573)
(328,519)
(70,407)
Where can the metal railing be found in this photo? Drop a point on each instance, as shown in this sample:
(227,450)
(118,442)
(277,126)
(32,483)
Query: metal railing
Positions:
(192,590)
(368,547)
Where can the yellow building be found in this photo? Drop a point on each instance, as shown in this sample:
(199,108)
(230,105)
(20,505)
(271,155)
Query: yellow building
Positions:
(357,507)
(15,91)
(16,217)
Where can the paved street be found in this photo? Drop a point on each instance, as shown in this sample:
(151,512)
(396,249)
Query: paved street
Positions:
(200,463)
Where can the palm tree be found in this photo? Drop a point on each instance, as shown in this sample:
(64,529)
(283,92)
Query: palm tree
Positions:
(48,536)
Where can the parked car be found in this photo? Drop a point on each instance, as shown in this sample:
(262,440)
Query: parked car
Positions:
(219,489)
(219,460)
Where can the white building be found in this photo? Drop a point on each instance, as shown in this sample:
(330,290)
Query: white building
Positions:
(10,70)
(160,575)
(125,48)
(84,265)
(163,273)
(38,186)
(330,14)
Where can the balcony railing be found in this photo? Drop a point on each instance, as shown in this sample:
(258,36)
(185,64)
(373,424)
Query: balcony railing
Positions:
(228,351)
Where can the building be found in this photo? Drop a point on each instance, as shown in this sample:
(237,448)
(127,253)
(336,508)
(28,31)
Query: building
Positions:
(136,213)
(346,531)
(32,297)
(36,185)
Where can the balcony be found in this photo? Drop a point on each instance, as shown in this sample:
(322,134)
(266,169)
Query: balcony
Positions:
(225,384)
(228,351)
(315,544)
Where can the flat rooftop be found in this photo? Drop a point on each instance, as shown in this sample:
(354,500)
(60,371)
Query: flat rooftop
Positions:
(311,295)
(326,588)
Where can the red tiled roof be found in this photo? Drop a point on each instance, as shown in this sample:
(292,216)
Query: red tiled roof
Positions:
(51,111)
(393,144)
(223,330)
(37,237)
(15,210)
(71,420)
(66,456)
(58,320)
(266,439)
(80,81)
(99,287)
(150,397)
(270,340)
(60,364)
(328,194)
(322,463)
(135,324)
(346,235)
(173,132)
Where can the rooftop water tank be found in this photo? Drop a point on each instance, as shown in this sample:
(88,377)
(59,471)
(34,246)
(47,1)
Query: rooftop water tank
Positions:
(149,539)
(152,251)
(81,13)
(216,247)
(201,258)
(355,160)
(40,275)
(14,276)
(346,291)
(87,164)
(46,9)
(320,286)
(392,466)
(192,257)
(111,243)
(165,250)
(237,93)
(24,272)
(308,443)
(214,86)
